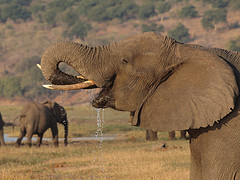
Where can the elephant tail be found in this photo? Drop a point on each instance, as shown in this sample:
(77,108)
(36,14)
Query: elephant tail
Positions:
(19,116)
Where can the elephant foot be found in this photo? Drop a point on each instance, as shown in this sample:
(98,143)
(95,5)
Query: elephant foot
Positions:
(17,145)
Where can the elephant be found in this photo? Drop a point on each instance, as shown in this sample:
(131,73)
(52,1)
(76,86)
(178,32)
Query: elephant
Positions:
(1,131)
(172,135)
(36,118)
(166,85)
(152,136)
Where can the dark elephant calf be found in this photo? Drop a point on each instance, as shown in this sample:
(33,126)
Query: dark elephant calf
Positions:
(37,118)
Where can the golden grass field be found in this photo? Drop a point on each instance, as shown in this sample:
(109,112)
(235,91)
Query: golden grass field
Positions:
(129,156)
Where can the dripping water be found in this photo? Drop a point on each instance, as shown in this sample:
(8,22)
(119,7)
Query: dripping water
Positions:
(99,159)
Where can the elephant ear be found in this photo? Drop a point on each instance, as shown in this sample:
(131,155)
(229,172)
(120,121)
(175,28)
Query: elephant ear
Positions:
(200,91)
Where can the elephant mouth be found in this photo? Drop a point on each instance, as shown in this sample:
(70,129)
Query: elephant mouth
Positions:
(86,84)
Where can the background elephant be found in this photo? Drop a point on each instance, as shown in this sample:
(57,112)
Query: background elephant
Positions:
(152,136)
(146,75)
(1,130)
(37,118)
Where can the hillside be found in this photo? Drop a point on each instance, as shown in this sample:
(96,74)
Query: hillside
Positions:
(24,38)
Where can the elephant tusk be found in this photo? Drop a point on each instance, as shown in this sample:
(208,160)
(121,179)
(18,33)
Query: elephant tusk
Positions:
(82,85)
(81,77)
(39,66)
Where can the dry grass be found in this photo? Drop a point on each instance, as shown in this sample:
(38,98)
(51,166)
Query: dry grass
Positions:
(127,157)
(118,159)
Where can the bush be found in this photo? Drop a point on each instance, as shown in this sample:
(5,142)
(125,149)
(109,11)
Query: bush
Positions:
(27,63)
(14,12)
(234,45)
(108,10)
(146,11)
(30,83)
(213,17)
(35,9)
(235,4)
(60,5)
(152,27)
(218,3)
(70,17)
(10,87)
(126,10)
(163,7)
(180,33)
(50,17)
(78,30)
(188,11)
(85,6)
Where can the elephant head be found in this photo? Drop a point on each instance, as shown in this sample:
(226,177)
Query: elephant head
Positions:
(165,84)
(60,115)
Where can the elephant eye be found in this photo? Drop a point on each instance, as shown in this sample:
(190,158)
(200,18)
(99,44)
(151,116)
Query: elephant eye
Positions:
(124,61)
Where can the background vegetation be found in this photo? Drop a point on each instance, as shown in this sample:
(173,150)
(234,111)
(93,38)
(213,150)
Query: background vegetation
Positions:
(28,27)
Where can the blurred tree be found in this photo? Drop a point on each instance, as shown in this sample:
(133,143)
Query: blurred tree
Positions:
(188,11)
(146,11)
(10,87)
(235,4)
(218,3)
(31,83)
(85,6)
(78,30)
(36,8)
(27,63)
(70,17)
(152,27)
(180,33)
(108,10)
(50,17)
(163,6)
(98,13)
(14,12)
(234,45)
(213,17)
(19,2)
(60,5)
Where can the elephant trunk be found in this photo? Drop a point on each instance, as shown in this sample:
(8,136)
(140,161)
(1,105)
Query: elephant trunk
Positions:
(65,133)
(89,62)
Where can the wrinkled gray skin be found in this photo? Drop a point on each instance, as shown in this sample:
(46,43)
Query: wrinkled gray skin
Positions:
(167,86)
(37,118)
(1,131)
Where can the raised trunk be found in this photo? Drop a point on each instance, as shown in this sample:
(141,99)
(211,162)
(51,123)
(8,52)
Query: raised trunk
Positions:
(65,133)
(90,62)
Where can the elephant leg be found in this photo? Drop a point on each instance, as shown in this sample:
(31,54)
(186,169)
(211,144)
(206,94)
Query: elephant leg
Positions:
(171,135)
(20,137)
(182,134)
(39,140)
(29,138)
(2,137)
(195,169)
(151,135)
(55,134)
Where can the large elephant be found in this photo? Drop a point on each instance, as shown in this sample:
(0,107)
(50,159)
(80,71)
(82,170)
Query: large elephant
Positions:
(36,118)
(166,85)
(1,131)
